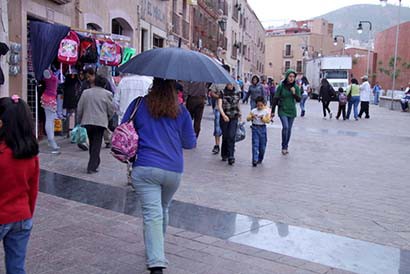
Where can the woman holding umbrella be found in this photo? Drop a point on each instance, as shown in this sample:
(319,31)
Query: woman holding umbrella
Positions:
(164,127)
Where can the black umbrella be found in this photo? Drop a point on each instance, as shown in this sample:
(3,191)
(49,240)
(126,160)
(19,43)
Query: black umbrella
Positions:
(177,64)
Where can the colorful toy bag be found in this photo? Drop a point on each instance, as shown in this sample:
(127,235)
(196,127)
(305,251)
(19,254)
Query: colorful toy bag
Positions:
(110,54)
(68,50)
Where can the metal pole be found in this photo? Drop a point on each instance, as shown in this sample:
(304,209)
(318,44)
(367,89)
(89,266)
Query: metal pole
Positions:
(395,58)
(36,100)
(368,54)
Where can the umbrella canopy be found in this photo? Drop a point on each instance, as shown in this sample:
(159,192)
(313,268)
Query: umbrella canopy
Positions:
(177,64)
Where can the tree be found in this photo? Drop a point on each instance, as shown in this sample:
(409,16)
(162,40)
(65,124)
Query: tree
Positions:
(390,68)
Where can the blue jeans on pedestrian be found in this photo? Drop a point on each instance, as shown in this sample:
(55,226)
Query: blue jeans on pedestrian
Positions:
(253,104)
(287,123)
(217,126)
(15,238)
(259,140)
(354,101)
(302,102)
(376,97)
(155,188)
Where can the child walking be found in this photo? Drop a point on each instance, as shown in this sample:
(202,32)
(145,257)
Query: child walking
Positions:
(259,116)
(19,167)
(342,104)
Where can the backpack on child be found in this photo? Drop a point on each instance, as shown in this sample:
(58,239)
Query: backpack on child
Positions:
(124,140)
(342,98)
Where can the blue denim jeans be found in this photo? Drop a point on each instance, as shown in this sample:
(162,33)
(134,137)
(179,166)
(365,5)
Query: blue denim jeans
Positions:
(155,188)
(302,102)
(376,97)
(217,125)
(354,101)
(259,140)
(228,138)
(15,238)
(253,104)
(287,123)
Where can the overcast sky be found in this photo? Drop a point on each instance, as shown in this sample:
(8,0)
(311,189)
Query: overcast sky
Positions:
(277,12)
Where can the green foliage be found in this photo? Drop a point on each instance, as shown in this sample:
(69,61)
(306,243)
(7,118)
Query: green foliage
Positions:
(390,68)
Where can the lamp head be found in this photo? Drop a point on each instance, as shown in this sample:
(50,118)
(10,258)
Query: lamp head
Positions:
(360,28)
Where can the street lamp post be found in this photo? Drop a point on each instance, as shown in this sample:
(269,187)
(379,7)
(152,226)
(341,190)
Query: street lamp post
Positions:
(360,30)
(384,3)
(222,25)
(344,42)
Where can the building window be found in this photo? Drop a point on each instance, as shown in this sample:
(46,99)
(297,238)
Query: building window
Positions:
(299,66)
(158,42)
(288,50)
(287,65)
(116,27)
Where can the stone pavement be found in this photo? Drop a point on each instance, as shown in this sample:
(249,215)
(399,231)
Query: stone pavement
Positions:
(73,238)
(346,178)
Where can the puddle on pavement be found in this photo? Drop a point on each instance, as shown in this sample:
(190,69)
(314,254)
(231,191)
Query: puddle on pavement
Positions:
(323,248)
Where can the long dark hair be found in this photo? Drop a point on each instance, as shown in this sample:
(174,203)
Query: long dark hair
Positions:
(305,80)
(325,82)
(17,131)
(162,100)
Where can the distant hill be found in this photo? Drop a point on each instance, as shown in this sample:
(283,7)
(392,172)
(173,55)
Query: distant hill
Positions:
(346,19)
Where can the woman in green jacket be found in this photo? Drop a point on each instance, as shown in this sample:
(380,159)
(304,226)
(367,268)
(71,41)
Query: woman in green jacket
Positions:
(286,96)
(353,95)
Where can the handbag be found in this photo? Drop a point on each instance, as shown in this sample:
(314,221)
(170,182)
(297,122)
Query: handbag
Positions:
(78,135)
(124,140)
(240,132)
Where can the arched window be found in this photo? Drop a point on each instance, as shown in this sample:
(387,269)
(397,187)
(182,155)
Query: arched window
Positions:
(121,27)
(93,26)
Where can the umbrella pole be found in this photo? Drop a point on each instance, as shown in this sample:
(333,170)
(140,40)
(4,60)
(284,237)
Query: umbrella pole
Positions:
(36,92)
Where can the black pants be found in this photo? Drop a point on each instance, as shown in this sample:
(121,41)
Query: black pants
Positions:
(228,138)
(196,106)
(341,110)
(95,136)
(364,108)
(325,105)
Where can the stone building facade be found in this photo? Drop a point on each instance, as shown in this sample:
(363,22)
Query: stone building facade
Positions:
(384,46)
(291,45)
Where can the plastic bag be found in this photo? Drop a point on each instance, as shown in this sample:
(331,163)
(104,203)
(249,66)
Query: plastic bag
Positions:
(240,132)
(78,135)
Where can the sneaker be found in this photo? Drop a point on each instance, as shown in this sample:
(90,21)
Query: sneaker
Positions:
(324,118)
(303,113)
(231,161)
(224,159)
(330,115)
(284,151)
(215,150)
(156,270)
(254,163)
(83,146)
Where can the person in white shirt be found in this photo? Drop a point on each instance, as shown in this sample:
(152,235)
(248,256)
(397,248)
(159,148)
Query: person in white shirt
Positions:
(365,91)
(129,88)
(260,116)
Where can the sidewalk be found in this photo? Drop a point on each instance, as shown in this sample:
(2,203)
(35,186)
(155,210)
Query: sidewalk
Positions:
(73,238)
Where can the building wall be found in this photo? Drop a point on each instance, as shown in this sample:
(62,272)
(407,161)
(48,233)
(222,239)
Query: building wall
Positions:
(4,37)
(308,39)
(359,66)
(384,46)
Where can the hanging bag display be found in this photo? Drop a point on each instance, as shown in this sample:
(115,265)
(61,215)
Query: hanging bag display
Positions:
(68,50)
(88,50)
(110,54)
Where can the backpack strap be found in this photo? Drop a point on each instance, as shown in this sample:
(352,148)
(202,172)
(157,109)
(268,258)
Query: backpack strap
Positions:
(138,102)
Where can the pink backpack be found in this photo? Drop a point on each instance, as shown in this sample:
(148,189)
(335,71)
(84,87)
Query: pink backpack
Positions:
(110,54)
(124,140)
(68,50)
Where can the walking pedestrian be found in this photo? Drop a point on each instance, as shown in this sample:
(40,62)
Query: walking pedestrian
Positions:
(215,90)
(286,96)
(228,105)
(272,90)
(196,94)
(365,91)
(255,90)
(305,94)
(325,95)
(129,88)
(164,127)
(342,104)
(266,90)
(95,109)
(353,98)
(246,86)
(406,99)
(240,85)
(259,116)
(19,180)
(376,93)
